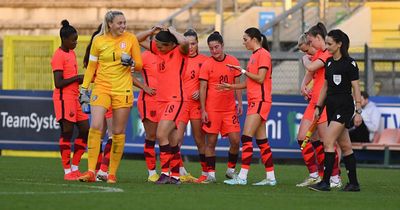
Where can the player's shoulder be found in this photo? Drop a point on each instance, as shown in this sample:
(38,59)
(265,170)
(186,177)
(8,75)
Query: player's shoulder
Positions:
(208,61)
(202,57)
(350,61)
(230,58)
(98,39)
(146,53)
(129,35)
(58,52)
(263,53)
(329,61)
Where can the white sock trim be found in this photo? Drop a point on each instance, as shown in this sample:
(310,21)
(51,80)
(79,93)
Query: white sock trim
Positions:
(243,173)
(270,175)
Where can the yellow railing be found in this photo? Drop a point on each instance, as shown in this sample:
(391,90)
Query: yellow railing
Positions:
(26,61)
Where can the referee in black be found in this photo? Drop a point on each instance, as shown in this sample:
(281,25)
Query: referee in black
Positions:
(341,74)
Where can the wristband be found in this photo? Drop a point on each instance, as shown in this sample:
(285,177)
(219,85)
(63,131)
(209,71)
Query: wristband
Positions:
(319,109)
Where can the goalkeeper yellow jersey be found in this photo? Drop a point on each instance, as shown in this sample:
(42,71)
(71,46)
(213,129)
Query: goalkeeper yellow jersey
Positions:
(105,60)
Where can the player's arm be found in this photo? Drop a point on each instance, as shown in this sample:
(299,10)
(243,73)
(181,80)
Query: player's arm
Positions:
(92,65)
(89,73)
(357,97)
(320,104)
(136,55)
(142,36)
(312,65)
(203,95)
(227,86)
(239,97)
(304,91)
(182,41)
(259,77)
(60,82)
(148,90)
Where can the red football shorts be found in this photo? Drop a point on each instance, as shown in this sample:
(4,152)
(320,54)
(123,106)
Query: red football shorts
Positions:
(192,112)
(261,108)
(148,110)
(222,122)
(309,113)
(70,110)
(170,110)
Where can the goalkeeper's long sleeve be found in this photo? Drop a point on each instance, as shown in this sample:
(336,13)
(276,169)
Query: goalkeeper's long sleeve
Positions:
(89,73)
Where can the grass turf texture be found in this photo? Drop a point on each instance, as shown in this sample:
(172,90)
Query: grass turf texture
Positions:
(36,183)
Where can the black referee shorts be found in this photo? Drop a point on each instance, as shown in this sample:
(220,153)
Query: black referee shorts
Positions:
(340,108)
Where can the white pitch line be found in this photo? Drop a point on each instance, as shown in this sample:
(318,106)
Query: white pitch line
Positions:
(98,189)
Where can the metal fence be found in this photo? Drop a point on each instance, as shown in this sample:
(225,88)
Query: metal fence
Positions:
(26,61)
(26,66)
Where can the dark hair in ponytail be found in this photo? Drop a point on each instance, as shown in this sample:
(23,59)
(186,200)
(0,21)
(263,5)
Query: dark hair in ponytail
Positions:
(215,36)
(255,33)
(66,30)
(87,52)
(318,29)
(339,36)
(191,32)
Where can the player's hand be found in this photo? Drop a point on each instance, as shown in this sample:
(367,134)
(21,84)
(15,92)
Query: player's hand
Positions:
(238,68)
(196,95)
(317,113)
(79,78)
(204,117)
(224,86)
(126,60)
(306,60)
(357,120)
(240,110)
(157,28)
(171,29)
(84,96)
(304,91)
(149,90)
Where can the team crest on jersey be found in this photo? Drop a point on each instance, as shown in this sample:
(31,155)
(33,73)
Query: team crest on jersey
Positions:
(71,114)
(153,113)
(94,97)
(122,45)
(337,79)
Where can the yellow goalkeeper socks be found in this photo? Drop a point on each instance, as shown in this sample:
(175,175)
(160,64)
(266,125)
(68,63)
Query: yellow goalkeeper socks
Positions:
(94,139)
(117,149)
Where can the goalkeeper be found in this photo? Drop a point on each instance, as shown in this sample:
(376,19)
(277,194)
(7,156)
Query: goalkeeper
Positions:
(113,53)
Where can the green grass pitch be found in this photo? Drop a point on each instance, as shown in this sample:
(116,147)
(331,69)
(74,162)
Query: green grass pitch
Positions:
(36,183)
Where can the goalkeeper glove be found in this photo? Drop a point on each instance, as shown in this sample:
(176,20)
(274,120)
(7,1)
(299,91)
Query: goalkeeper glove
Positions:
(84,96)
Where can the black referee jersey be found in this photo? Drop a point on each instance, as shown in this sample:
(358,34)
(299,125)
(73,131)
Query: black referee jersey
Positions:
(339,100)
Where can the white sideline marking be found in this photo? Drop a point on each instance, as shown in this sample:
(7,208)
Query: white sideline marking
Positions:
(96,189)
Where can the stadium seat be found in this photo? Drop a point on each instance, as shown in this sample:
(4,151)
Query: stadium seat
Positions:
(377,135)
(389,136)
(387,139)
